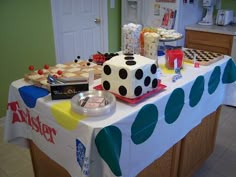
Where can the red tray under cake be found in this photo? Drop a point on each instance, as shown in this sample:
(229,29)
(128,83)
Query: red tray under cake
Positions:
(160,88)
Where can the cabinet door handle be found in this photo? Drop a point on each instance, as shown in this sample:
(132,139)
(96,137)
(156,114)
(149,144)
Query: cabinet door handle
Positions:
(97,20)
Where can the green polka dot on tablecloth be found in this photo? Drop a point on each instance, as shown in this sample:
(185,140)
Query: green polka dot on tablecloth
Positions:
(174,105)
(144,123)
(108,142)
(196,91)
(229,75)
(214,80)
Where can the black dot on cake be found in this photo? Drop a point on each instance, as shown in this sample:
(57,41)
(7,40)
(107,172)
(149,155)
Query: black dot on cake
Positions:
(138,91)
(139,74)
(129,54)
(153,69)
(122,90)
(106,85)
(123,74)
(147,81)
(129,58)
(107,70)
(154,83)
(130,63)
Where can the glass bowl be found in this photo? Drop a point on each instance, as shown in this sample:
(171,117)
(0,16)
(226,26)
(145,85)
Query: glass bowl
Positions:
(93,103)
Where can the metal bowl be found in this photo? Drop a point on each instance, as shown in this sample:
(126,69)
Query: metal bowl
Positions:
(93,103)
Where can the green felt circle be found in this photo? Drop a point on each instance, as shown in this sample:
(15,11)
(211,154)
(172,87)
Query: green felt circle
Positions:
(174,105)
(229,75)
(196,91)
(214,80)
(108,142)
(144,124)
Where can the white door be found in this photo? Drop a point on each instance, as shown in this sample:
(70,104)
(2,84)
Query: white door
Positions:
(80,28)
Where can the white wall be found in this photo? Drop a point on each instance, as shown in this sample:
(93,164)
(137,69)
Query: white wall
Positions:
(189,14)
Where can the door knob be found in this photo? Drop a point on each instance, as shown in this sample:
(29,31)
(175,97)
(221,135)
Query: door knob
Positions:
(97,20)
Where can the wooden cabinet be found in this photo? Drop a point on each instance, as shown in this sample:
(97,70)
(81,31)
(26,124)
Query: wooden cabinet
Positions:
(214,42)
(166,166)
(198,145)
(43,166)
(182,160)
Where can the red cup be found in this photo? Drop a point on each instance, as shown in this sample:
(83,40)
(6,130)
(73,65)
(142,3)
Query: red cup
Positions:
(171,55)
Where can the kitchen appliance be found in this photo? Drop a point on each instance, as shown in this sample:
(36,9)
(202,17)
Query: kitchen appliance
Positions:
(132,11)
(173,14)
(224,17)
(208,18)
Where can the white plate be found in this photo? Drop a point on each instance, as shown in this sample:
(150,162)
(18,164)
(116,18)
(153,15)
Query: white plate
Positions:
(93,103)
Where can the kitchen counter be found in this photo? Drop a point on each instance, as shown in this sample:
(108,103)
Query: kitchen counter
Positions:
(228,30)
(214,38)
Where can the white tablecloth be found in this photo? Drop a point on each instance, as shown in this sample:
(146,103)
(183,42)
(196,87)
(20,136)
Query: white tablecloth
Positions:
(125,142)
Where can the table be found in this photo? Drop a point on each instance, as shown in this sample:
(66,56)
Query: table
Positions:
(134,136)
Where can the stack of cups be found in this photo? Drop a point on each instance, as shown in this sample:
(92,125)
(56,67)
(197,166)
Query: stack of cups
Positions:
(130,38)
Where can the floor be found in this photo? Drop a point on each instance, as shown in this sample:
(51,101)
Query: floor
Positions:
(16,162)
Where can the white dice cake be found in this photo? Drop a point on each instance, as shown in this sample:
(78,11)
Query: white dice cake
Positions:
(129,76)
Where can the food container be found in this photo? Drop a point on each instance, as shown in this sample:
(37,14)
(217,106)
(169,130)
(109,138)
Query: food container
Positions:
(94,103)
(151,42)
(130,38)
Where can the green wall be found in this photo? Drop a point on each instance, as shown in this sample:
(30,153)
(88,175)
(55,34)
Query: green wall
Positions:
(26,35)
(26,38)
(114,26)
(229,4)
